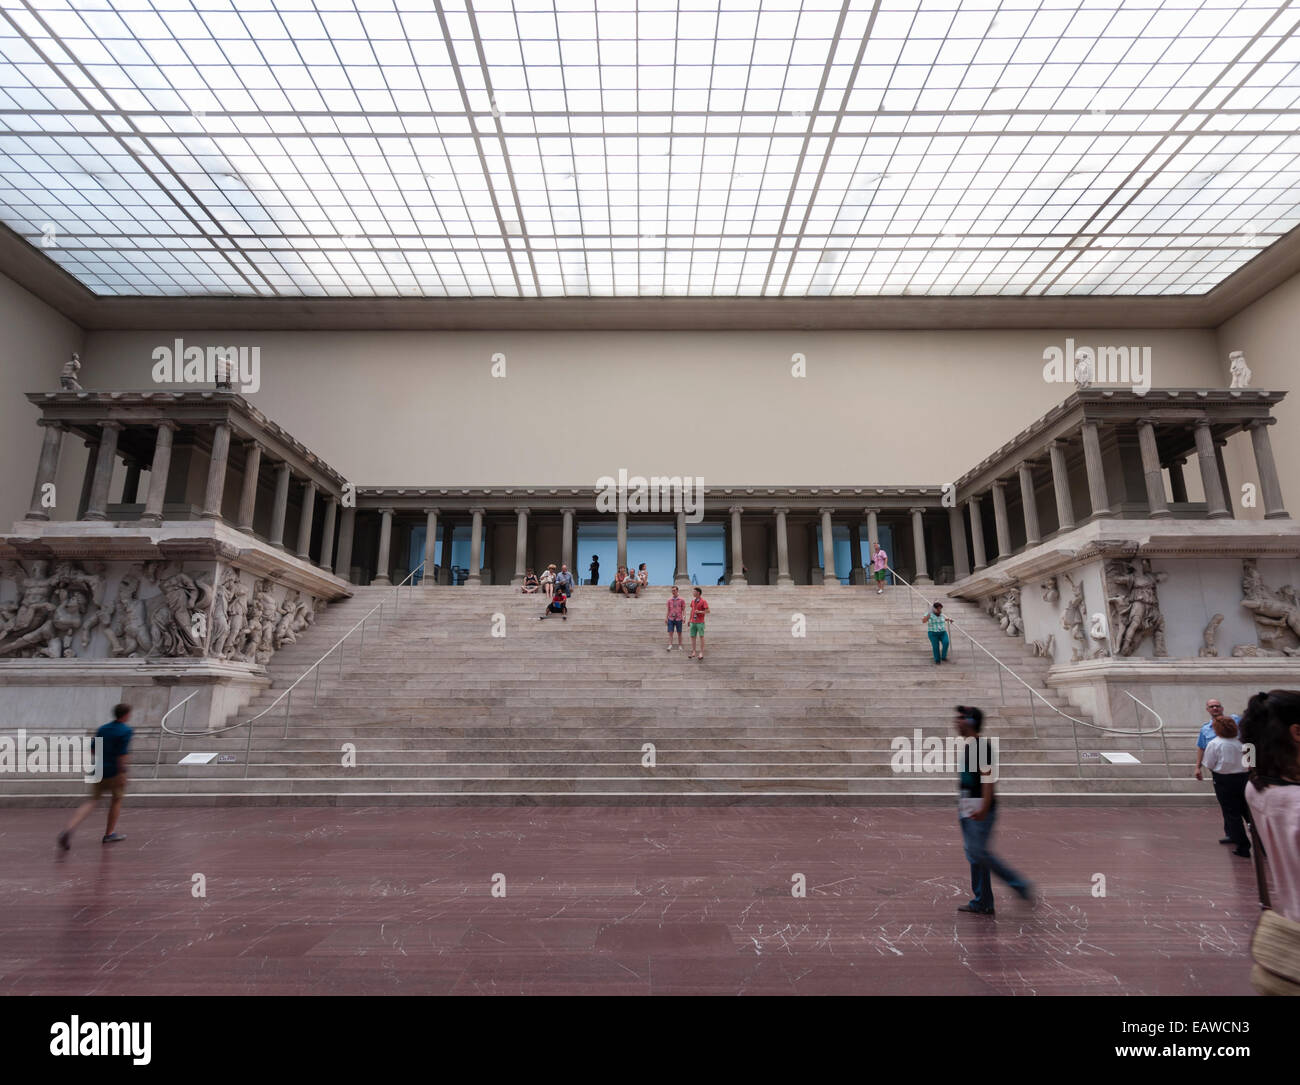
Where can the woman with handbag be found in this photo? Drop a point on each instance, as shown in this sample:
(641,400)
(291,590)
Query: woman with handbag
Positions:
(1270,728)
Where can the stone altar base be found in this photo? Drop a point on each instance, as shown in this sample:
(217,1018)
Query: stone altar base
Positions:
(47,695)
(1175,688)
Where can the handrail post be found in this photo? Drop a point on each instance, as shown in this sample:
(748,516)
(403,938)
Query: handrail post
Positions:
(315,696)
(1137,715)
(185,710)
(1033,715)
(288,704)
(1078,759)
(157,760)
(248,749)
(361,651)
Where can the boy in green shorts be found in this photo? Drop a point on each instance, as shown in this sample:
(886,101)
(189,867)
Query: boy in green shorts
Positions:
(699,608)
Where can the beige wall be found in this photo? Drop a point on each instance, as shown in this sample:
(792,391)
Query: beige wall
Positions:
(875,408)
(1269,334)
(34,344)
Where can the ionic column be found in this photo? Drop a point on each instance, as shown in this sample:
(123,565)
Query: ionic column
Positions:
(280,509)
(738,577)
(855,551)
(622,540)
(829,579)
(475,577)
(783,577)
(1177,484)
(1269,484)
(1029,502)
(385,547)
(47,468)
(521,547)
(1061,485)
(131,484)
(327,532)
(1092,463)
(1152,472)
(682,574)
(960,556)
(248,492)
(347,528)
(216,487)
(1228,502)
(566,542)
(1000,522)
(97,508)
(977,531)
(873,527)
(305,519)
(1210,481)
(918,545)
(159,467)
(430,542)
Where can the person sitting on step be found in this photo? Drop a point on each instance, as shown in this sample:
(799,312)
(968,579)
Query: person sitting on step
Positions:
(547,580)
(557,605)
(531,583)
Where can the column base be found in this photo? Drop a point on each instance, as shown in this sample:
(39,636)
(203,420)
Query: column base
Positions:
(36,514)
(1226,514)
(1162,514)
(1280,514)
(831,581)
(738,582)
(95,516)
(784,580)
(209,516)
(474,580)
(381,582)
(923,579)
(682,581)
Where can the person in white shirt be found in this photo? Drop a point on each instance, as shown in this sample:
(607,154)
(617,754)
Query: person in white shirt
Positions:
(1271,725)
(1223,757)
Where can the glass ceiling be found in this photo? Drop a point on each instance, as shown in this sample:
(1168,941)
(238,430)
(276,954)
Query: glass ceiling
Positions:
(436,148)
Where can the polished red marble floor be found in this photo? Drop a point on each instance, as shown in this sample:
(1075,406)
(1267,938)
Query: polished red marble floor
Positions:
(618,900)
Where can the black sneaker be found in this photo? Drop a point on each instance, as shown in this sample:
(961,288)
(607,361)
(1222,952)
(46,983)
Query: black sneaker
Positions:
(973,910)
(113,838)
(65,840)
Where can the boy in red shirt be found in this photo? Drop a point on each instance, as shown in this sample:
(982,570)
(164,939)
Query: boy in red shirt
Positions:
(699,608)
(559,604)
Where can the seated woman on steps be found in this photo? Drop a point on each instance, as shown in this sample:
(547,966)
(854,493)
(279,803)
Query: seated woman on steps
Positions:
(531,583)
(547,579)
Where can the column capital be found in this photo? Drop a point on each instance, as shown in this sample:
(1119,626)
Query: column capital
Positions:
(736,510)
(872,510)
(522,510)
(477,510)
(117,427)
(781,512)
(568,512)
(166,423)
(825,512)
(998,484)
(427,509)
(1260,423)
(916,509)
(52,423)
(1203,422)
(1059,442)
(385,511)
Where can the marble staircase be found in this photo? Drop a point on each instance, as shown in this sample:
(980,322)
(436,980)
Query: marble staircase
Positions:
(461,695)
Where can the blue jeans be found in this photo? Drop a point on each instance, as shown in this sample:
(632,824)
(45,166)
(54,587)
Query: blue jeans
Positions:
(975,836)
(937,639)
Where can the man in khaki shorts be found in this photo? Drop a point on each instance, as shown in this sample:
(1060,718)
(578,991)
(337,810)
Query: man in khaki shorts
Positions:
(114,756)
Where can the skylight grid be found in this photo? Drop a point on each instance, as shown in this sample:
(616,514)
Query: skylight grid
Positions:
(523,148)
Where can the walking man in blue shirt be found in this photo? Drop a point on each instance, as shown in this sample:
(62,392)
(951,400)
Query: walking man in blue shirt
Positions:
(114,757)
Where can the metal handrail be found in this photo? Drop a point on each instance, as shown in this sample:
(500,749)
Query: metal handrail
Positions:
(397,588)
(162,727)
(1160,727)
(1075,722)
(287,695)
